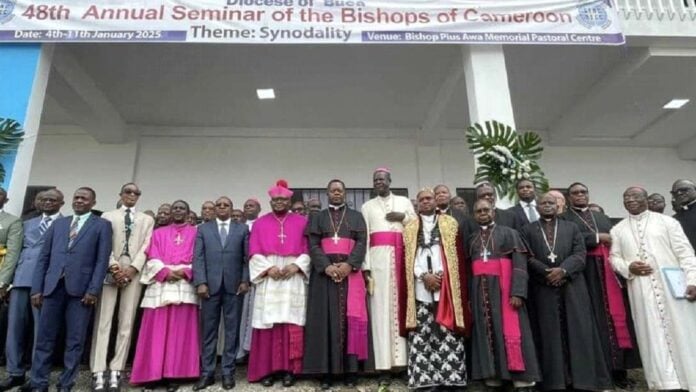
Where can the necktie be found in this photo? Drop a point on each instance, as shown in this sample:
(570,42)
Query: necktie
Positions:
(73,231)
(129,223)
(533,216)
(223,234)
(45,223)
(129,227)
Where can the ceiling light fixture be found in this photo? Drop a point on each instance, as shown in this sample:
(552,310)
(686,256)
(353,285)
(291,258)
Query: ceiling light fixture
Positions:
(265,93)
(676,103)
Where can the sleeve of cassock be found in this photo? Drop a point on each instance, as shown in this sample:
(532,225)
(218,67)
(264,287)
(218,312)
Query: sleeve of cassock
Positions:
(359,234)
(682,249)
(535,266)
(520,277)
(319,260)
(366,262)
(618,260)
(575,263)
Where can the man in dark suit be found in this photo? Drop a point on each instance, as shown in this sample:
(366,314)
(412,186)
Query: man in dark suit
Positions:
(486,191)
(221,277)
(20,313)
(525,209)
(68,278)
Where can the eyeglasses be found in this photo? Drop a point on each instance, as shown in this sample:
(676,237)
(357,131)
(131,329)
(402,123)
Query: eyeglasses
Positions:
(132,192)
(680,190)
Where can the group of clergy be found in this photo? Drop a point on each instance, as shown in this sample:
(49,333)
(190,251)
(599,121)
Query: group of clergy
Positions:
(532,296)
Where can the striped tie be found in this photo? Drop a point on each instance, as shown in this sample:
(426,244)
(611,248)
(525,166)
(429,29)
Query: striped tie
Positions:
(73,231)
(45,223)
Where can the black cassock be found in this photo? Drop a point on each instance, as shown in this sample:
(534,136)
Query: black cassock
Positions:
(506,218)
(488,357)
(687,218)
(326,324)
(590,223)
(565,329)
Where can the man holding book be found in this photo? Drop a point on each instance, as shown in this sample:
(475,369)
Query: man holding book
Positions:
(652,252)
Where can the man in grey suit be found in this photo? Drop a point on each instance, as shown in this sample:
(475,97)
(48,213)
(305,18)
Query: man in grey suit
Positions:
(21,310)
(221,277)
(10,245)
(132,230)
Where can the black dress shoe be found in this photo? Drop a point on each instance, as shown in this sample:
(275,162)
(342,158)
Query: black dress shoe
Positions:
(524,389)
(203,383)
(288,380)
(326,383)
(351,381)
(228,382)
(11,382)
(172,387)
(268,381)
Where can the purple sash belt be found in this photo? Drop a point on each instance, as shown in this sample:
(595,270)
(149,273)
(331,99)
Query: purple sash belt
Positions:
(614,298)
(356,312)
(511,319)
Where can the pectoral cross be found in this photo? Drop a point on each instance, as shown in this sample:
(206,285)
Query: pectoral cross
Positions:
(552,257)
(335,239)
(178,240)
(282,236)
(485,253)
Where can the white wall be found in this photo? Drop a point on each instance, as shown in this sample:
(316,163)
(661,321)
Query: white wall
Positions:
(70,161)
(208,164)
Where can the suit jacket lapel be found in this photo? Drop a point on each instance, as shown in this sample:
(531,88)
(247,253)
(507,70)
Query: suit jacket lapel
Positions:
(229,233)
(83,230)
(216,230)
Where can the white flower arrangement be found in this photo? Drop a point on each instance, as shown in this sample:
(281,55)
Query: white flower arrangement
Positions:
(506,156)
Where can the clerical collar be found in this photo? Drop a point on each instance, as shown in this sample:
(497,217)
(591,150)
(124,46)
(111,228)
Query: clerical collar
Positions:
(582,209)
(640,216)
(443,210)
(688,206)
(548,220)
(336,208)
(486,227)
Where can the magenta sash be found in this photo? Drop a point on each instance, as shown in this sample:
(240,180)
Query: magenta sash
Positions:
(394,239)
(511,319)
(614,297)
(356,312)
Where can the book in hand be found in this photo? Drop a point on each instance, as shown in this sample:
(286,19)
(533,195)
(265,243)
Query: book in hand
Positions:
(676,280)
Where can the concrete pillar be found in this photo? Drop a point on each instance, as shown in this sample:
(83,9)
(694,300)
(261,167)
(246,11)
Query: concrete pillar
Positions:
(25,69)
(487,88)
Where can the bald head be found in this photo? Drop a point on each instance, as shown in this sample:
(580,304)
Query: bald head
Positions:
(442,196)
(635,200)
(560,201)
(486,191)
(208,211)
(683,192)
(252,208)
(656,203)
(484,213)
